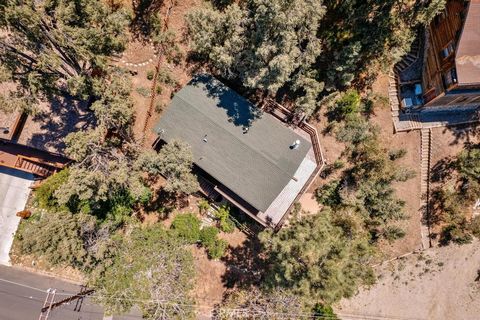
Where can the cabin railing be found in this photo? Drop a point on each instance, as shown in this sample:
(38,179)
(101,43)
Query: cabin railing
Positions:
(285,115)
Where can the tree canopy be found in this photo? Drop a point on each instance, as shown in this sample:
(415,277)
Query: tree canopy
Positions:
(322,257)
(153,270)
(57,46)
(305,46)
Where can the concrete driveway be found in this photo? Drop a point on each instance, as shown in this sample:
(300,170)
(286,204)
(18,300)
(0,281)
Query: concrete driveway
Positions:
(14,191)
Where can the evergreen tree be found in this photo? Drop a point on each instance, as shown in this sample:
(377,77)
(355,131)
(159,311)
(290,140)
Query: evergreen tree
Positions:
(321,257)
(57,46)
(152,270)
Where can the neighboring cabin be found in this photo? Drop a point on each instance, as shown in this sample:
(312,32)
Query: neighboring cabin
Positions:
(241,154)
(451,70)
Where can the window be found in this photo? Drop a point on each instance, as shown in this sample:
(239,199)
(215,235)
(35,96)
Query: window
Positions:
(447,51)
(450,78)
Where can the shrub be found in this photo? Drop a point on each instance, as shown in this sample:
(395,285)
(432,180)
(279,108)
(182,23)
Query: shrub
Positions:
(143,91)
(348,104)
(217,249)
(203,206)
(397,154)
(323,311)
(158,89)
(225,223)
(150,74)
(165,77)
(328,194)
(455,233)
(475,226)
(159,107)
(392,233)
(208,236)
(187,226)
(45,193)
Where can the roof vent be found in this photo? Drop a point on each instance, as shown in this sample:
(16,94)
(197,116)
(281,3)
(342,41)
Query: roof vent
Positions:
(295,144)
(205,139)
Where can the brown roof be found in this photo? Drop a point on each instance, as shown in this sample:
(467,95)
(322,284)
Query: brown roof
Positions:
(468,53)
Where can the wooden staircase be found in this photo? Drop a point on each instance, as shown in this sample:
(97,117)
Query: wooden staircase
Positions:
(410,58)
(34,166)
(426,155)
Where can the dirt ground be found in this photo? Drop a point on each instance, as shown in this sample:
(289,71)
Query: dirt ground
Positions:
(408,191)
(140,58)
(447,143)
(441,283)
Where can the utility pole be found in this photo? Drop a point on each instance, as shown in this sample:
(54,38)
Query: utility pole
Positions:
(47,304)
(50,303)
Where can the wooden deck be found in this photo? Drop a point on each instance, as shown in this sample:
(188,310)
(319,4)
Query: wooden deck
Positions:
(20,157)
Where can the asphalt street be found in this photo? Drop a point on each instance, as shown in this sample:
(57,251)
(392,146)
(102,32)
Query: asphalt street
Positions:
(22,295)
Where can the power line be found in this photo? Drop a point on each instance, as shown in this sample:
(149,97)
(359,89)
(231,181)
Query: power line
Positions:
(238,310)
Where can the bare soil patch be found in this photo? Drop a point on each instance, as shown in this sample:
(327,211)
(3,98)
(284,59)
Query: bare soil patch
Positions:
(440,283)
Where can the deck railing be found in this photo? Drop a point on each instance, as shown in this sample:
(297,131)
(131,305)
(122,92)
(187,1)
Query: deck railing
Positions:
(283,114)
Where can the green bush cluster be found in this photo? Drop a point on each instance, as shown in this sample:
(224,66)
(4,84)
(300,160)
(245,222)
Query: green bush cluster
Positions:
(215,247)
(45,194)
(187,227)
(150,74)
(225,223)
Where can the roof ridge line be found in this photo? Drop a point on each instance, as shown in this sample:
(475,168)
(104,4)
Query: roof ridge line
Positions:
(237,139)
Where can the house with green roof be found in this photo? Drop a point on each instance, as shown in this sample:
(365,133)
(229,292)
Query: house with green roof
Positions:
(241,153)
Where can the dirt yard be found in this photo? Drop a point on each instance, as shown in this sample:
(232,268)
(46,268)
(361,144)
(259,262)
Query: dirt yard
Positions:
(408,191)
(141,59)
(447,143)
(441,283)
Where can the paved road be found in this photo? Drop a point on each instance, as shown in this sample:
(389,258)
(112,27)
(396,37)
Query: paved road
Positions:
(22,295)
(14,191)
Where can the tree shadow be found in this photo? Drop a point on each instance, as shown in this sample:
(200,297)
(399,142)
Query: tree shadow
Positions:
(463,134)
(145,18)
(239,110)
(245,264)
(164,203)
(63,117)
(442,170)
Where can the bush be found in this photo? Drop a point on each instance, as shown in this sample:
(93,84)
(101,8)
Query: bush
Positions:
(323,311)
(208,236)
(187,226)
(143,91)
(159,107)
(348,104)
(397,154)
(165,77)
(475,226)
(158,89)
(455,233)
(45,193)
(392,233)
(328,194)
(150,74)
(217,249)
(225,223)
(203,206)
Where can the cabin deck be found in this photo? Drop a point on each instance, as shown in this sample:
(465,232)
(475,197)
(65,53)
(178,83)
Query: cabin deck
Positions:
(30,160)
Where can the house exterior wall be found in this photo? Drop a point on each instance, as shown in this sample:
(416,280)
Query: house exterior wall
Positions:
(438,76)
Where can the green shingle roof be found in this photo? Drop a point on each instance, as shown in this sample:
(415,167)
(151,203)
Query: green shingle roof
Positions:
(248,151)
